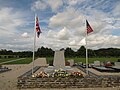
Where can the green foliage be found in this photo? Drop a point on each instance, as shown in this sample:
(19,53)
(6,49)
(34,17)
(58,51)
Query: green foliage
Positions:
(6,52)
(50,60)
(69,52)
(44,52)
(81,52)
(48,52)
(109,52)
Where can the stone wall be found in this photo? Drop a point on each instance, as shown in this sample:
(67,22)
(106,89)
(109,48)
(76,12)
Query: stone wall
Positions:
(87,82)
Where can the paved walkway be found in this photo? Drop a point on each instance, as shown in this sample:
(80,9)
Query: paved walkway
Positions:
(8,80)
(102,73)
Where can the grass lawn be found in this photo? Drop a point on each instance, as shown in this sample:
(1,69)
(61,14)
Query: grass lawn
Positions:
(6,59)
(50,60)
(23,61)
(91,60)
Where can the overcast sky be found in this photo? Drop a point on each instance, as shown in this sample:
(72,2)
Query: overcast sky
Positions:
(62,23)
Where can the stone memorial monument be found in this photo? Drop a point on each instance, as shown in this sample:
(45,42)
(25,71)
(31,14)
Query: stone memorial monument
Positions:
(58,62)
(59,59)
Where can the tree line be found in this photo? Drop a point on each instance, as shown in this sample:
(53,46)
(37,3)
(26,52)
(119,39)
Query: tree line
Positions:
(81,52)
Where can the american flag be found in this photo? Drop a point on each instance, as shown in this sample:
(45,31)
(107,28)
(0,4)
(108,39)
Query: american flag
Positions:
(38,30)
(89,28)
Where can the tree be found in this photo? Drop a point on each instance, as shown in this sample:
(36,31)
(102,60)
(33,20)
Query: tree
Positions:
(81,52)
(5,52)
(69,52)
(44,52)
(91,53)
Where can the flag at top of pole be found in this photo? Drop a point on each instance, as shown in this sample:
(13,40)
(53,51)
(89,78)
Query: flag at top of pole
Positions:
(89,28)
(38,30)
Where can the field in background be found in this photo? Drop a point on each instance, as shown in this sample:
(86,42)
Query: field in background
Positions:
(91,60)
(50,60)
(23,61)
(6,59)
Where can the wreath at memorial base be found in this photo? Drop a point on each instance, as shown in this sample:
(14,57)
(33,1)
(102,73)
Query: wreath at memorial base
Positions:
(58,73)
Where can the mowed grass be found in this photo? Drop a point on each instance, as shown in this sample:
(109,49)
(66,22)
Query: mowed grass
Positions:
(7,59)
(23,61)
(50,60)
(90,60)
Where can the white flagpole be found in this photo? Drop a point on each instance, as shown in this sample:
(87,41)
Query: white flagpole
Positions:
(34,45)
(86,53)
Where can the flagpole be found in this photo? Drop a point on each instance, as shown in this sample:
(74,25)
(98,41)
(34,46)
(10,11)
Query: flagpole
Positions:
(89,30)
(86,34)
(86,54)
(34,41)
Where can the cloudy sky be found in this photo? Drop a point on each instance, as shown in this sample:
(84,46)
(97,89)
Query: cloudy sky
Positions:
(62,23)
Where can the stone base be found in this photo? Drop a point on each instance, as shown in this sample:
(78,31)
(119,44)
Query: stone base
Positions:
(69,82)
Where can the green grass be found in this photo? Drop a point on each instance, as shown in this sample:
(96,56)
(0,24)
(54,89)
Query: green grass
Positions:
(91,60)
(6,59)
(50,60)
(24,61)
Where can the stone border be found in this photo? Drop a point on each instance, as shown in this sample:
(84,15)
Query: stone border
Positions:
(87,82)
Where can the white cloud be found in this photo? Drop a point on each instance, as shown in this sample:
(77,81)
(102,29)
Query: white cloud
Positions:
(64,34)
(51,34)
(82,42)
(116,10)
(25,35)
(39,5)
(96,41)
(70,14)
(68,18)
(74,2)
(72,43)
(44,4)
(101,23)
(55,4)
(9,21)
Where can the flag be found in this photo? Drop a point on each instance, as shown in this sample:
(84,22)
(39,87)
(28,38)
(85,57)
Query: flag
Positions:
(89,28)
(37,27)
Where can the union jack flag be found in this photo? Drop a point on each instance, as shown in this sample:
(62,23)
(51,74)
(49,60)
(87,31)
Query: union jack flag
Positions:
(38,30)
